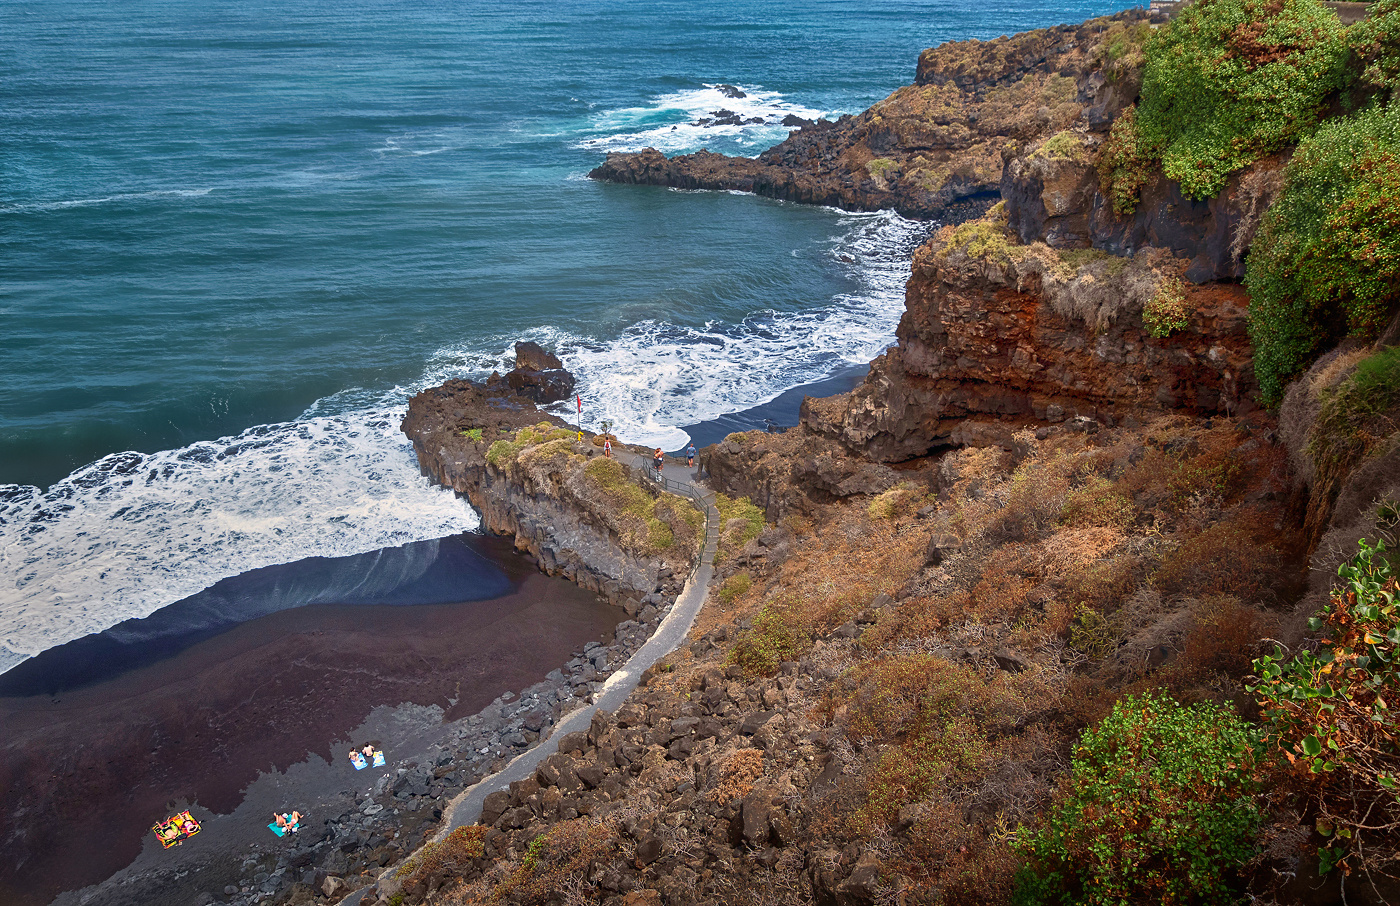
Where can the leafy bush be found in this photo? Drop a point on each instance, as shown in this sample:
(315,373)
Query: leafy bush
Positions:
(472,434)
(1333,713)
(764,646)
(1166,311)
(1227,82)
(1158,808)
(1376,42)
(1328,253)
(735,587)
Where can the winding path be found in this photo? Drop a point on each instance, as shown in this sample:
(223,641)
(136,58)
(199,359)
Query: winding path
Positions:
(466,808)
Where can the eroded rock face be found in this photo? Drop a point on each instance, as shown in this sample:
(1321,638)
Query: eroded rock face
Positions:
(793,472)
(934,149)
(982,351)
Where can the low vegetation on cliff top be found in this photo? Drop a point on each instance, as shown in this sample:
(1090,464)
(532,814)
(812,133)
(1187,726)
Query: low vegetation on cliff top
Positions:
(1225,83)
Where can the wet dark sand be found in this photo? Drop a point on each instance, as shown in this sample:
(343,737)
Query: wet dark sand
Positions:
(86,772)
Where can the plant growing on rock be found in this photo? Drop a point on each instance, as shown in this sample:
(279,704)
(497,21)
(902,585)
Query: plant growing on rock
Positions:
(764,646)
(1376,42)
(1158,808)
(1334,719)
(1327,256)
(1227,82)
(1166,311)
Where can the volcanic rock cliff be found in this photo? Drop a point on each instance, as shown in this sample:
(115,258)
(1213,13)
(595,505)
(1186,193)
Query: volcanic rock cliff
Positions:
(576,513)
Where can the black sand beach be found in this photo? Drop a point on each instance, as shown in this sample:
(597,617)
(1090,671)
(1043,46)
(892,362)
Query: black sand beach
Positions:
(86,772)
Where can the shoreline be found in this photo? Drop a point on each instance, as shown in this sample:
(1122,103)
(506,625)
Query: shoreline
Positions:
(490,738)
(102,761)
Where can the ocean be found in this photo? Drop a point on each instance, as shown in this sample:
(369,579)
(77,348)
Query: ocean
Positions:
(236,237)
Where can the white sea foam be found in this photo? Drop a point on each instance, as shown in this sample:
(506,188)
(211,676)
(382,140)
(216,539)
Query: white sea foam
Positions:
(105,199)
(668,124)
(131,533)
(656,376)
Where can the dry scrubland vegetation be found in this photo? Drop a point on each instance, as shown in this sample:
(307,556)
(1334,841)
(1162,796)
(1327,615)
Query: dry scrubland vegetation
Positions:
(1036,673)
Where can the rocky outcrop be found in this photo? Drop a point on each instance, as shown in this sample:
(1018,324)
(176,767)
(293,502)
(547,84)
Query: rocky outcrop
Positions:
(526,474)
(995,336)
(934,149)
(538,376)
(794,472)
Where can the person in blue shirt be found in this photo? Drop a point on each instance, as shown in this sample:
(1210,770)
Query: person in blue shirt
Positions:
(690,456)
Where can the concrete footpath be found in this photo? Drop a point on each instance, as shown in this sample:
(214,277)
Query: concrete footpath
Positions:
(466,808)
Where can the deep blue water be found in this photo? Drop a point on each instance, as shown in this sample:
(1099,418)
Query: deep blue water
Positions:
(234,237)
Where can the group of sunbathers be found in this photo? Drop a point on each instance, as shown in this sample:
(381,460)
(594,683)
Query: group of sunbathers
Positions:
(289,822)
(174,830)
(364,757)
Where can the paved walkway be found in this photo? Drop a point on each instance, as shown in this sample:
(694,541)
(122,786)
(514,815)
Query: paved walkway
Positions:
(466,808)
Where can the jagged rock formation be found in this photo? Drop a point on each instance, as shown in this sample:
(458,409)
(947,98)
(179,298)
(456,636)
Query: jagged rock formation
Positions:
(931,147)
(538,376)
(995,336)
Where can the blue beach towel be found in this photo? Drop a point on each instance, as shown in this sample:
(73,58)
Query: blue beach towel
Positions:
(358,761)
(279,831)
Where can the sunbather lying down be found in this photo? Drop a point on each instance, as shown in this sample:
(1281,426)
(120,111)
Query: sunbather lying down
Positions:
(287,821)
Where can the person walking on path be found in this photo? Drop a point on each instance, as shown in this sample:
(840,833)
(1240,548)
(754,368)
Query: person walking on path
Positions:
(690,456)
(607,447)
(660,459)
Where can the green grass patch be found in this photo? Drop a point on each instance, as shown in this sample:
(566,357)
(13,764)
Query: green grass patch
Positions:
(739,522)
(1358,417)
(880,166)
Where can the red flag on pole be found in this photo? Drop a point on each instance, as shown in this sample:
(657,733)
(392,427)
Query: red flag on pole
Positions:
(580,403)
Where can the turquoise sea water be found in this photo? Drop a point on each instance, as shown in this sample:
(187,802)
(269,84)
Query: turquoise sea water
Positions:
(234,237)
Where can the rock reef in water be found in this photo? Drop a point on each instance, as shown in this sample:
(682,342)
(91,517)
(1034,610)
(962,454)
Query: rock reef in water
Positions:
(932,149)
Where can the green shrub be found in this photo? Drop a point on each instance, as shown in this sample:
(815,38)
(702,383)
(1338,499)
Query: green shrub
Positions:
(472,434)
(1327,257)
(1158,809)
(735,587)
(740,522)
(1166,311)
(763,647)
(1333,718)
(1376,42)
(1357,417)
(1225,83)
